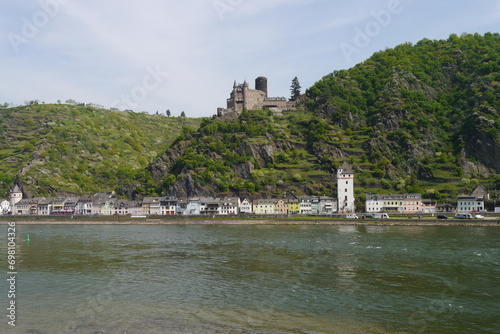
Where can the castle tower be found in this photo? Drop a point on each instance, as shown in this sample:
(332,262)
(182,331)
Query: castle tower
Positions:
(345,189)
(15,195)
(261,84)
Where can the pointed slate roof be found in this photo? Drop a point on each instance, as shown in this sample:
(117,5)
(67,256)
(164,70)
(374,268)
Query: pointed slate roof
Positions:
(16,189)
(346,168)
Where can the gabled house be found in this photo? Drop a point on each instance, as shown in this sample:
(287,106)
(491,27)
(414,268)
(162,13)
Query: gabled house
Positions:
(246,206)
(481,193)
(34,203)
(108,207)
(305,205)
(181,206)
(293,203)
(45,207)
(193,206)
(281,207)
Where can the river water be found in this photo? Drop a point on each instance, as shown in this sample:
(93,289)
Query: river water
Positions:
(254,279)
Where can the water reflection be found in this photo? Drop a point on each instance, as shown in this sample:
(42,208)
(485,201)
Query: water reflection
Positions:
(258,279)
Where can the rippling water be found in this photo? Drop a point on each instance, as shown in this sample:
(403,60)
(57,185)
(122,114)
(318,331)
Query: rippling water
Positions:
(256,279)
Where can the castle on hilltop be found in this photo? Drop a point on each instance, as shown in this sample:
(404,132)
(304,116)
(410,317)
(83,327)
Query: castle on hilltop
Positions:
(244,98)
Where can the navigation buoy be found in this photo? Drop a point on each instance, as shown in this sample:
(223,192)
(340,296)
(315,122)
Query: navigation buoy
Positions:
(28,238)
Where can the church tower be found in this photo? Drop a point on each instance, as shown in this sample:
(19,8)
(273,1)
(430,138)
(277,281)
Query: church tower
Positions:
(15,195)
(345,189)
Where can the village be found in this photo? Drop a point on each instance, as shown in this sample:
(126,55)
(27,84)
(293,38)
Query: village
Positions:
(106,204)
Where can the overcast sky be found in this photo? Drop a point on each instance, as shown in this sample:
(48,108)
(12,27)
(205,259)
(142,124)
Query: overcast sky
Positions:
(154,55)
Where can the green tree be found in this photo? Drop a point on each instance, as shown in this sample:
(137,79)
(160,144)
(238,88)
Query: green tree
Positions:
(295,89)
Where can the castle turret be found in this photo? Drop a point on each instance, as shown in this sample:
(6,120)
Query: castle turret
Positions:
(261,84)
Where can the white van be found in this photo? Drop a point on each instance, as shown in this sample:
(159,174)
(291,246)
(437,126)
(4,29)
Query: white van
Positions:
(463,216)
(351,216)
(381,216)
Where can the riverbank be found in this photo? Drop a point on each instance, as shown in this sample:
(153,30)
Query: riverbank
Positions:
(265,221)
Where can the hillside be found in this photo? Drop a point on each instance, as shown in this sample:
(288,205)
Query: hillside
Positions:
(416,118)
(52,149)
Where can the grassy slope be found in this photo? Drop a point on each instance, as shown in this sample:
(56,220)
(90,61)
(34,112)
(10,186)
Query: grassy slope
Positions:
(62,148)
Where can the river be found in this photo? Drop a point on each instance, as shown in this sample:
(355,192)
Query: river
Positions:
(254,279)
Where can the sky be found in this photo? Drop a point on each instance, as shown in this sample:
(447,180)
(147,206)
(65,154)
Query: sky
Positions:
(158,55)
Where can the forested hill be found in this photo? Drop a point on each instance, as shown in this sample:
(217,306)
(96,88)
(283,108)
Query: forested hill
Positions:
(421,100)
(416,118)
(64,149)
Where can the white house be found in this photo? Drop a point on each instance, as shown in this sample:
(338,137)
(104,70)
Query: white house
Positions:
(229,206)
(374,203)
(22,208)
(246,206)
(45,207)
(181,206)
(470,204)
(84,206)
(4,207)
(193,206)
(305,205)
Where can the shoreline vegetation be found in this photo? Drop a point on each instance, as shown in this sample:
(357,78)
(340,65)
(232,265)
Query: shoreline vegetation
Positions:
(414,221)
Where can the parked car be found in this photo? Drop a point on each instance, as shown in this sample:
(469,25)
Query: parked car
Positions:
(442,217)
(351,216)
(479,216)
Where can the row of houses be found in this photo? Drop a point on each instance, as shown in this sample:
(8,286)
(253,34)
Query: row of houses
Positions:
(413,203)
(107,205)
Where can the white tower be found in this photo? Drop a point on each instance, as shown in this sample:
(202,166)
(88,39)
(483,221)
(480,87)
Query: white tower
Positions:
(15,195)
(345,189)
